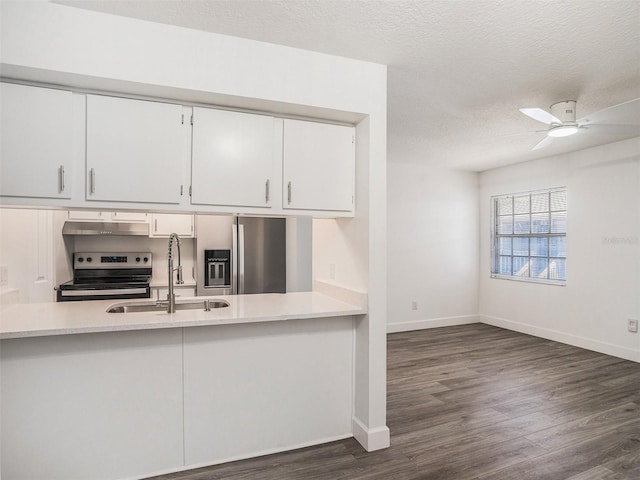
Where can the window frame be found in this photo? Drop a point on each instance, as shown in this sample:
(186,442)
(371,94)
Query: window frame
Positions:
(495,237)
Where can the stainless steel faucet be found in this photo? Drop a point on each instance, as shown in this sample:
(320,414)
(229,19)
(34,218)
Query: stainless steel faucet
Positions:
(174,239)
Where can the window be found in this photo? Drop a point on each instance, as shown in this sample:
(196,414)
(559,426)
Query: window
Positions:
(529,236)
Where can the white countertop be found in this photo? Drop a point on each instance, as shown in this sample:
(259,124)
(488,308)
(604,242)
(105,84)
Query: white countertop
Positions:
(43,319)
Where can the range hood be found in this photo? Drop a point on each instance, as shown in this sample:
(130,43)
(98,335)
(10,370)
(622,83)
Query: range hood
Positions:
(105,228)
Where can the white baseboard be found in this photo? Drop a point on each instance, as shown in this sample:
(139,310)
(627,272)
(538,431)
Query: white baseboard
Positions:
(557,336)
(245,456)
(371,439)
(431,323)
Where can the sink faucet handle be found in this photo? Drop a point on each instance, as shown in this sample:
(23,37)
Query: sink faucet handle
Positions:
(179,280)
(174,239)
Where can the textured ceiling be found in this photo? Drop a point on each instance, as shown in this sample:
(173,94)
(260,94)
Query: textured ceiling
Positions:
(458,70)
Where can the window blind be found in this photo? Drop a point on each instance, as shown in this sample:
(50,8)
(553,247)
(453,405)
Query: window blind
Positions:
(530,235)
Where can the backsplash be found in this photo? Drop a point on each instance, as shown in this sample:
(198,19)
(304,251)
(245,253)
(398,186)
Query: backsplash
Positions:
(157,246)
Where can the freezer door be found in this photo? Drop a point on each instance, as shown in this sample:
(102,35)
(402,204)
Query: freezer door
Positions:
(261,255)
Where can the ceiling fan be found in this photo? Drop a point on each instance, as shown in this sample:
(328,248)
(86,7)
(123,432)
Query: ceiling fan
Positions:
(562,122)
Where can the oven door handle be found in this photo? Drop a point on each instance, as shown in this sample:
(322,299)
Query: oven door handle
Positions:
(106,291)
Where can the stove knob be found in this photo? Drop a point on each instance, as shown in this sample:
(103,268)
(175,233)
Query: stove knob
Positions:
(80,259)
(89,259)
(137,259)
(146,259)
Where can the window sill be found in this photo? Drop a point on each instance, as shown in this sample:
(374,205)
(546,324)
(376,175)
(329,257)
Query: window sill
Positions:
(560,283)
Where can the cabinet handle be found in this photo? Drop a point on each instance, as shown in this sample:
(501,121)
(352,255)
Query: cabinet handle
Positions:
(92,180)
(61,175)
(266,196)
(289,192)
(155,225)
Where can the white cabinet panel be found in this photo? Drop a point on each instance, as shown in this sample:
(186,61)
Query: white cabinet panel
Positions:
(293,391)
(93,215)
(37,141)
(232,159)
(319,166)
(73,404)
(129,217)
(88,215)
(135,150)
(164,224)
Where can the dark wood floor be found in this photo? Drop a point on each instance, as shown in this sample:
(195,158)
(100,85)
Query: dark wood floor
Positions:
(478,402)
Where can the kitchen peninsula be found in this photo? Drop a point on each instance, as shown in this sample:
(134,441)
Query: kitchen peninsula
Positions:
(163,392)
(271,374)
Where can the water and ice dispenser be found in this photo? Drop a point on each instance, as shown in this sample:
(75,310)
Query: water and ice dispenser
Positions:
(217,267)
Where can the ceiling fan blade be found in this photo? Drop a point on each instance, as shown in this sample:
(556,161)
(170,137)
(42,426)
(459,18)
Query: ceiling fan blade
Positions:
(543,143)
(514,134)
(540,115)
(612,129)
(623,113)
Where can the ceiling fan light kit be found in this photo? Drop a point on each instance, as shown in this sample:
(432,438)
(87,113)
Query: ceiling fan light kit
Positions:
(562,131)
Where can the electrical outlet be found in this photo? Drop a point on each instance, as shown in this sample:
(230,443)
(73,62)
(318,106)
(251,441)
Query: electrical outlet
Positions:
(4,275)
(632,325)
(414,305)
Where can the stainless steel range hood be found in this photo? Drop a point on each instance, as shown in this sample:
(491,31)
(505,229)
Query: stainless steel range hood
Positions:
(105,228)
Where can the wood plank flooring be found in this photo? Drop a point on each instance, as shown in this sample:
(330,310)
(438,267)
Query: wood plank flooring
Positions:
(475,402)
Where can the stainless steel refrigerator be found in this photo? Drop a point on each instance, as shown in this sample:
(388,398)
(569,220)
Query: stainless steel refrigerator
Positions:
(241,255)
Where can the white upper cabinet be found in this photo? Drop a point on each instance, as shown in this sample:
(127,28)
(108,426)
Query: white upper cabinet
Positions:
(135,150)
(36,141)
(232,158)
(319,166)
(164,224)
(147,155)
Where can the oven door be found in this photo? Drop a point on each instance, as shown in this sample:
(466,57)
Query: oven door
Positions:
(75,292)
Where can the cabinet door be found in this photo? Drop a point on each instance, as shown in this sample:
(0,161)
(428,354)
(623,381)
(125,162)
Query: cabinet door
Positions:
(93,215)
(232,158)
(134,150)
(163,225)
(88,215)
(37,141)
(129,217)
(319,166)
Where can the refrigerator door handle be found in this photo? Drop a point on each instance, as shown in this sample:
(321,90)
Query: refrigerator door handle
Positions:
(234,259)
(240,259)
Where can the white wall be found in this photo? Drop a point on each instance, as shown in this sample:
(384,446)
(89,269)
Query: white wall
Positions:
(432,247)
(334,260)
(47,42)
(603,251)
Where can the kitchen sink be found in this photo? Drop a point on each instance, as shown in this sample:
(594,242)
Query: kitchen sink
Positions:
(133,307)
